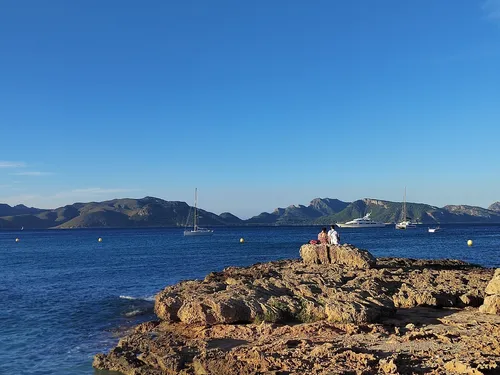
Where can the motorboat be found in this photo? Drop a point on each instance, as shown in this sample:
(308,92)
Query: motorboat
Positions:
(197,231)
(362,222)
(433,230)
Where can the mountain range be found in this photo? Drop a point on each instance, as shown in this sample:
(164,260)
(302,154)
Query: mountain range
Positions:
(156,212)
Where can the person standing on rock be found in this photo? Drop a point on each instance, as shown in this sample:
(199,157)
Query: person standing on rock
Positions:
(333,236)
(323,236)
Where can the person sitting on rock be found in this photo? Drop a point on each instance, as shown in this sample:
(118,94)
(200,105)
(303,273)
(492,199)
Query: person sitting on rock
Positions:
(333,236)
(323,236)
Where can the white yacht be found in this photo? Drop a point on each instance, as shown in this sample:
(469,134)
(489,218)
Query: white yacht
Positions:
(362,222)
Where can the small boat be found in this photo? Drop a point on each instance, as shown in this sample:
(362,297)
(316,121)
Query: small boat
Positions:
(405,223)
(197,231)
(362,222)
(433,230)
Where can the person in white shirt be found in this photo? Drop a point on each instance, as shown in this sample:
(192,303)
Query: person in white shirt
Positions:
(333,236)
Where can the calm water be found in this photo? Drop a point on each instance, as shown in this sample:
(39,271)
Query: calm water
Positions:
(65,296)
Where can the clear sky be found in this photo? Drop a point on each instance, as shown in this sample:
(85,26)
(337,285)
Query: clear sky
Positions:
(259,104)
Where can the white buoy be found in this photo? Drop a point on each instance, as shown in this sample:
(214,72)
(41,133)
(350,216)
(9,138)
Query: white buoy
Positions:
(17,240)
(242,240)
(469,243)
(99,239)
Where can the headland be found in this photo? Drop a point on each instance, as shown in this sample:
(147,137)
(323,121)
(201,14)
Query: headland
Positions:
(337,310)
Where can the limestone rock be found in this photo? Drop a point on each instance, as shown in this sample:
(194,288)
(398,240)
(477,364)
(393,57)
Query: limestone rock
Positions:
(318,318)
(491,303)
(273,292)
(346,255)
(358,308)
(472,346)
(494,285)
(446,288)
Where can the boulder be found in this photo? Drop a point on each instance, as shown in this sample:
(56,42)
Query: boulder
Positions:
(491,303)
(493,286)
(350,255)
(345,255)
(315,254)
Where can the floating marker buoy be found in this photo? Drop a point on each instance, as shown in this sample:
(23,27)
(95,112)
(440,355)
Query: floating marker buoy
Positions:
(242,240)
(99,239)
(469,243)
(17,240)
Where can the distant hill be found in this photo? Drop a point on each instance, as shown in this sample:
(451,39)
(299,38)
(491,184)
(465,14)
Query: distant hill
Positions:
(20,209)
(384,211)
(121,213)
(229,218)
(495,207)
(155,212)
(299,214)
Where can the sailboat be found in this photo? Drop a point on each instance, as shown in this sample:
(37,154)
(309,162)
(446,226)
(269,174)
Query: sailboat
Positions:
(197,231)
(405,223)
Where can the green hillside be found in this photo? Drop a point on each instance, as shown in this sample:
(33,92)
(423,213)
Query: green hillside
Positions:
(300,214)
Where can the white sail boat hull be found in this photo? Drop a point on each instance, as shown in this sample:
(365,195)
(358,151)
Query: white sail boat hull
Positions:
(199,232)
(406,225)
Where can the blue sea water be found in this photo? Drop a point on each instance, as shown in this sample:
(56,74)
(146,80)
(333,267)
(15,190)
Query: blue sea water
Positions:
(65,296)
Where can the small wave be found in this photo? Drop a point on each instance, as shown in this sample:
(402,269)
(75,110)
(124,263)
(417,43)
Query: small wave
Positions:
(127,297)
(149,298)
(134,313)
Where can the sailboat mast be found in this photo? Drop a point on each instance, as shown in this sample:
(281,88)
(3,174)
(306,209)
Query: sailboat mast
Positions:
(404,206)
(195,205)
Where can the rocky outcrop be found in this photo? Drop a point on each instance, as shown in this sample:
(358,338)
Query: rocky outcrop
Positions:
(416,341)
(275,292)
(293,317)
(492,300)
(346,255)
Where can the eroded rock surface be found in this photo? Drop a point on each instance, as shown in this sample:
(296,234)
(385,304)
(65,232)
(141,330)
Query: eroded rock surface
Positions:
(292,317)
(492,300)
(276,292)
(346,255)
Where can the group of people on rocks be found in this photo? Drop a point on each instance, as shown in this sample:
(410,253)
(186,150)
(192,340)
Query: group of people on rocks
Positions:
(331,237)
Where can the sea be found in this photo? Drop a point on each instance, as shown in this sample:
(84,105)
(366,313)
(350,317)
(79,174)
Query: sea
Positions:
(65,296)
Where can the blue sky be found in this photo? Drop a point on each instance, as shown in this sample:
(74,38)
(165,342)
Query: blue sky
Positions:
(259,103)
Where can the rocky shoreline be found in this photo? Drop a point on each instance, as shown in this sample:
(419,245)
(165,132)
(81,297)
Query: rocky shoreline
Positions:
(338,310)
